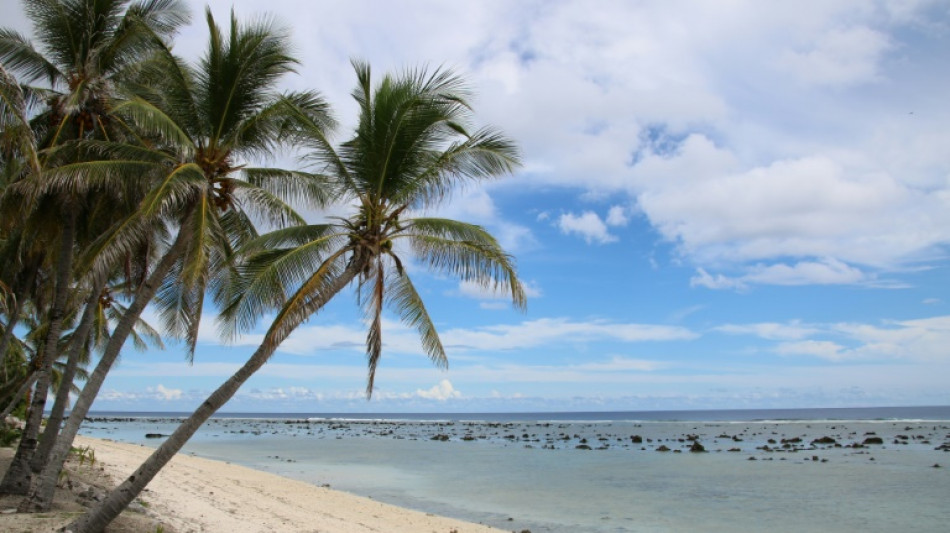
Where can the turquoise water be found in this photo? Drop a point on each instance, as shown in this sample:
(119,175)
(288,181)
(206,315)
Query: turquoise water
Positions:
(529,472)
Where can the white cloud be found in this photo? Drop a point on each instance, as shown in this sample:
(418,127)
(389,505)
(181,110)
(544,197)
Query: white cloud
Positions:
(588,225)
(717,281)
(827,271)
(921,340)
(772,330)
(441,392)
(495,299)
(548,331)
(617,216)
(823,349)
(839,57)
(160,392)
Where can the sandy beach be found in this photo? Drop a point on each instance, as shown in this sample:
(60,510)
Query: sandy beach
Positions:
(203,496)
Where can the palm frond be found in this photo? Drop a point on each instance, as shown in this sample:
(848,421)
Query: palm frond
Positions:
(272,272)
(467,252)
(324,283)
(375,278)
(305,188)
(16,136)
(183,185)
(151,120)
(407,303)
(18,54)
(235,74)
(260,203)
(485,154)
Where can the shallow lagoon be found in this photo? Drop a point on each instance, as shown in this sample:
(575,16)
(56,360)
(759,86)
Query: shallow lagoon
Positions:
(522,474)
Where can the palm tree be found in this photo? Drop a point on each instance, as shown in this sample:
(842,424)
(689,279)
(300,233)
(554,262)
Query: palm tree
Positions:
(198,124)
(17,155)
(410,150)
(88,45)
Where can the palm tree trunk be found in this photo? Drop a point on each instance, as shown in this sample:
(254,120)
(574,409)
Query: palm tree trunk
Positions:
(78,342)
(41,496)
(27,383)
(19,476)
(99,517)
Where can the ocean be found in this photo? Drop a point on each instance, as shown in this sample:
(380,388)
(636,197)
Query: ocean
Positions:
(848,469)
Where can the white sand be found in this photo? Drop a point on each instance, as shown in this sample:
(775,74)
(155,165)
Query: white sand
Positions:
(200,495)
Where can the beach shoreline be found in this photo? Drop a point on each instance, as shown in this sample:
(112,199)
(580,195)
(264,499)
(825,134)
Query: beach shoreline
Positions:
(198,495)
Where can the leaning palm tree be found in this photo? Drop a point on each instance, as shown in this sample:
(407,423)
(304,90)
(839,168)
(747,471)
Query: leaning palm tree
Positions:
(411,148)
(198,127)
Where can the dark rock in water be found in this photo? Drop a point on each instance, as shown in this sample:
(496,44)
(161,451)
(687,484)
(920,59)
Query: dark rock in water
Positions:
(824,440)
(155,436)
(441,436)
(697,447)
(873,440)
(582,447)
(937,465)
(734,450)
(636,439)
(663,448)
(753,459)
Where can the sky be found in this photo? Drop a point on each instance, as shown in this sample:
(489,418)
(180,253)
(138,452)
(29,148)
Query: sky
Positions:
(723,205)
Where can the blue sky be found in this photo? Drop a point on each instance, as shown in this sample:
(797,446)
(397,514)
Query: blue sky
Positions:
(723,205)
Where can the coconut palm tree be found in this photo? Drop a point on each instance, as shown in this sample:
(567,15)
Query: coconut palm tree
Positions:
(412,147)
(199,124)
(88,45)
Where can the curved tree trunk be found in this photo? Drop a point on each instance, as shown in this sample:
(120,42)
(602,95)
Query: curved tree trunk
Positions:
(41,496)
(19,476)
(27,383)
(76,345)
(99,517)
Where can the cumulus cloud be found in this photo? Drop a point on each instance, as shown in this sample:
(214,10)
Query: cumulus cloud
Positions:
(587,225)
(165,393)
(617,216)
(441,392)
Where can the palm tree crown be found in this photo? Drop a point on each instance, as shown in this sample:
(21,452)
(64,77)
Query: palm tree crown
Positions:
(411,148)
